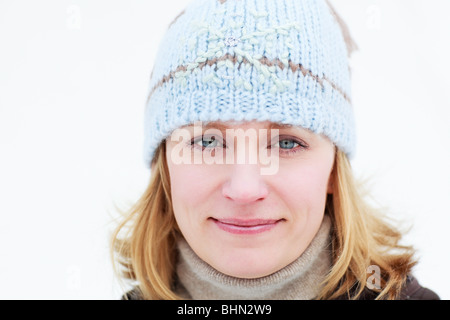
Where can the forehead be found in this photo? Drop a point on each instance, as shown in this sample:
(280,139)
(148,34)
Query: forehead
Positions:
(222,125)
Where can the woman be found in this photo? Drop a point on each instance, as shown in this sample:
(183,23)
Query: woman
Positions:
(279,217)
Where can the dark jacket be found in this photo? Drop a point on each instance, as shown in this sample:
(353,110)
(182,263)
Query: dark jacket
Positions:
(412,291)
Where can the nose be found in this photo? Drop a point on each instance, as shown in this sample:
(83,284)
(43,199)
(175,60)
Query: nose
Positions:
(245,185)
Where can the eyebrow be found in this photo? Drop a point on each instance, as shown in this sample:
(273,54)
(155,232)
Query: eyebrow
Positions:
(272,125)
(219,125)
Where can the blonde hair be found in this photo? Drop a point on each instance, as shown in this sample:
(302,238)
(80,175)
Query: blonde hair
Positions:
(361,237)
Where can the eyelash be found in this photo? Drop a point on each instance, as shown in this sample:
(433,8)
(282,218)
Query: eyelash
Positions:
(301,145)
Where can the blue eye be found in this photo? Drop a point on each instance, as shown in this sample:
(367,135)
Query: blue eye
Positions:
(209,142)
(287,144)
(290,146)
(206,142)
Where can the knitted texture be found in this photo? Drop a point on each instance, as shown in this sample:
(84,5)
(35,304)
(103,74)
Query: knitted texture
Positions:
(283,61)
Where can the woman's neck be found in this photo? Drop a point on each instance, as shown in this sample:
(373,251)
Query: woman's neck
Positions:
(302,279)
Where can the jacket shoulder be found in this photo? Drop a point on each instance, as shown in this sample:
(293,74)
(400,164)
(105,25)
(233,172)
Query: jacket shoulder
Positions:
(134,294)
(414,291)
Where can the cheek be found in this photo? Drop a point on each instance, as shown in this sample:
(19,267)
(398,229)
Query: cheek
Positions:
(304,187)
(191,188)
(182,184)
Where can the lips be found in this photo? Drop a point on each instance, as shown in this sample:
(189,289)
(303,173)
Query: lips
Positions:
(246,226)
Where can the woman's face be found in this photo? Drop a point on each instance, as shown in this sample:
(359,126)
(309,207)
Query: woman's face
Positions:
(241,222)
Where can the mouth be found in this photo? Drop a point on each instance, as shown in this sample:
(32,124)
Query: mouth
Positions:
(246,226)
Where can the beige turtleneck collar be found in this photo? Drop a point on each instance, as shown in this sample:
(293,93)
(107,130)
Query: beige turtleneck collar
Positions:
(299,280)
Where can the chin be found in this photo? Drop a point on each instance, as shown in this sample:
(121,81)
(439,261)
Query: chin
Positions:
(248,266)
(249,273)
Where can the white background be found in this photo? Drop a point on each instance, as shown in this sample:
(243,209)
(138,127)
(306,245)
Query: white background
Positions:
(73,82)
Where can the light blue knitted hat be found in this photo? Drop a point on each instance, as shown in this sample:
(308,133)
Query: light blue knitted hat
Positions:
(283,61)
